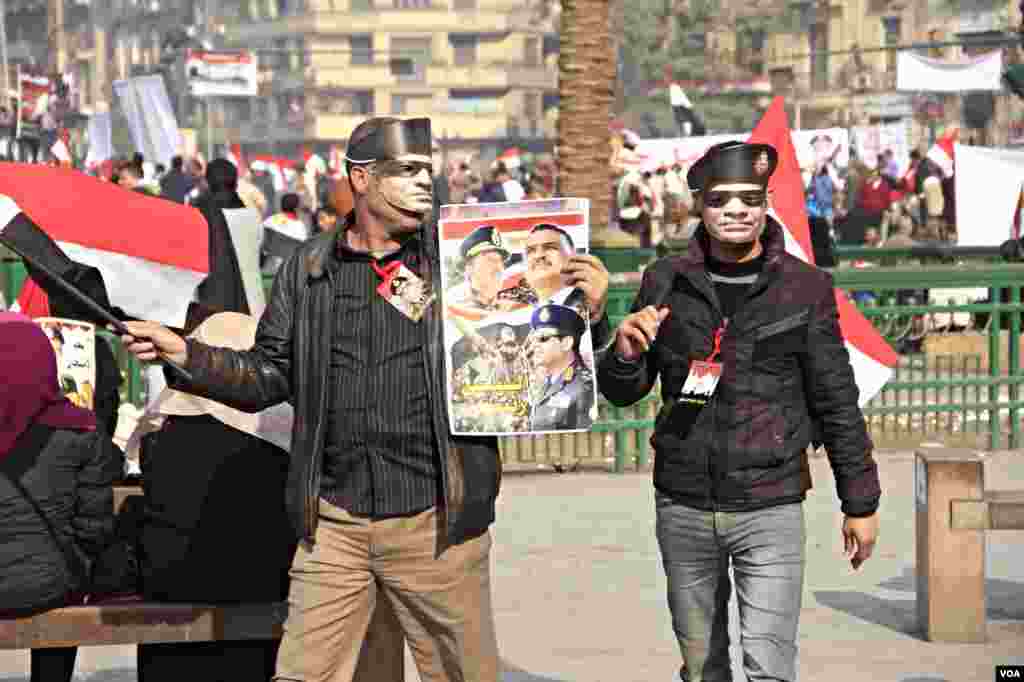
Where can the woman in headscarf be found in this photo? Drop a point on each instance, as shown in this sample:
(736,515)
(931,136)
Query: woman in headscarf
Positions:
(56,494)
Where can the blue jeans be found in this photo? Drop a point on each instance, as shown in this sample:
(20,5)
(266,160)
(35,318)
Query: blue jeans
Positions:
(767,552)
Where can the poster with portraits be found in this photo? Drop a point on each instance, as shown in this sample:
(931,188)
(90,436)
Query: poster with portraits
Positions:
(74,344)
(519,354)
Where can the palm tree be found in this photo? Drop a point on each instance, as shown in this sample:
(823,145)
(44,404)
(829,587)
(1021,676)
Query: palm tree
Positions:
(586,90)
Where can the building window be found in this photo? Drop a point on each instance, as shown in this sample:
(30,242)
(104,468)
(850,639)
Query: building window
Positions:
(361,47)
(750,50)
(409,58)
(411,4)
(464,49)
(411,105)
(347,102)
(475,101)
(818,39)
(531,51)
(361,5)
(463,5)
(891,28)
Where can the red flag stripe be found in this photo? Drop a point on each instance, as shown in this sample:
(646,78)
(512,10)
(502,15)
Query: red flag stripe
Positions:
(456,229)
(787,199)
(73,207)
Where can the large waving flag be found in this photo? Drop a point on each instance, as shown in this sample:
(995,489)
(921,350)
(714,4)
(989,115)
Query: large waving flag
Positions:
(871,356)
(150,254)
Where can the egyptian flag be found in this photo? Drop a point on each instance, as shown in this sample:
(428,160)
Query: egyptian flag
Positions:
(941,153)
(132,255)
(871,356)
(236,158)
(687,119)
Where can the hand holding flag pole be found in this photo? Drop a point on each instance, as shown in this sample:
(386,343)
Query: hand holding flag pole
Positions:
(41,254)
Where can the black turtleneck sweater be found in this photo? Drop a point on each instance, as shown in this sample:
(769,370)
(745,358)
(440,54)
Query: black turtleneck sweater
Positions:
(732,280)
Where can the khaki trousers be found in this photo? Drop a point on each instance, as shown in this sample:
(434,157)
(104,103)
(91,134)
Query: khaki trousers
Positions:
(442,603)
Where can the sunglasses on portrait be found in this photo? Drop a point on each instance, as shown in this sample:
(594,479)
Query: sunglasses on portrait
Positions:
(750,197)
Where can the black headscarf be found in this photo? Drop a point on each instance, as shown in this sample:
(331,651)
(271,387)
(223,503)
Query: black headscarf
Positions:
(222,289)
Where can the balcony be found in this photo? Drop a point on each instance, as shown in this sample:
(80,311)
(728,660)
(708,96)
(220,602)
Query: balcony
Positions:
(444,124)
(492,75)
(437,74)
(279,131)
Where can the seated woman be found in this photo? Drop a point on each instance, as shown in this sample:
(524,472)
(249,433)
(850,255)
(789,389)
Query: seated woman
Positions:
(56,495)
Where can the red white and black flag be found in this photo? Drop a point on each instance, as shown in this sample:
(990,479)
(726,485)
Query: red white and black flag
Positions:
(122,249)
(871,357)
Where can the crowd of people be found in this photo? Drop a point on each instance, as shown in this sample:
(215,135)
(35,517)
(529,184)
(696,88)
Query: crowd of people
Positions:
(314,454)
(861,204)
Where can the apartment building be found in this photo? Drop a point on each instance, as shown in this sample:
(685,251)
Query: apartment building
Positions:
(485,71)
(829,59)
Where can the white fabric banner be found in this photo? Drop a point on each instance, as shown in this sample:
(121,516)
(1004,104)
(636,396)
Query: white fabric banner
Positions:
(914,72)
(870,141)
(151,120)
(811,146)
(988,186)
(101,146)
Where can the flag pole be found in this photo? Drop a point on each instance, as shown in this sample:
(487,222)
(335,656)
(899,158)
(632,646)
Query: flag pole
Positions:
(17,119)
(94,307)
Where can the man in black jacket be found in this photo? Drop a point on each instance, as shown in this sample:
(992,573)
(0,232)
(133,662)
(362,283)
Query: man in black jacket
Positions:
(384,499)
(745,339)
(175,185)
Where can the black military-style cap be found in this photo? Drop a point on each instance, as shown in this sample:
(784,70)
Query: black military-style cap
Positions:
(394,137)
(733,162)
(565,320)
(481,240)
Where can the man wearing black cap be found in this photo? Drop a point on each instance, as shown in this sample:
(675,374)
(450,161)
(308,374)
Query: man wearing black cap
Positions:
(566,392)
(746,343)
(483,261)
(387,503)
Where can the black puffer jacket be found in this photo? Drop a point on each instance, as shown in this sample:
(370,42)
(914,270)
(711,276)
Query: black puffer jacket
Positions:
(786,370)
(69,477)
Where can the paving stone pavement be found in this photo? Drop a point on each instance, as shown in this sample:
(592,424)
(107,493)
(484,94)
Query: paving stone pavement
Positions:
(579,590)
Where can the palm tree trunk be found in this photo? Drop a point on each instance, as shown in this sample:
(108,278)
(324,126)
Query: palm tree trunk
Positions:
(586,90)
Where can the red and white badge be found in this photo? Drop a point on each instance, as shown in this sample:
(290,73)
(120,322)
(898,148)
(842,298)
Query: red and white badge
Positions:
(701,382)
(405,290)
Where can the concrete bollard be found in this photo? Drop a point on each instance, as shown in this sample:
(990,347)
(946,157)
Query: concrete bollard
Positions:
(951,601)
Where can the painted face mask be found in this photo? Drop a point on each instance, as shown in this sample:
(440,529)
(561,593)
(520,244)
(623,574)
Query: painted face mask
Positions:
(405,183)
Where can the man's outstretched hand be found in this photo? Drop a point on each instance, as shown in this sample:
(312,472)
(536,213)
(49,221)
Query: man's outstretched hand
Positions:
(151,342)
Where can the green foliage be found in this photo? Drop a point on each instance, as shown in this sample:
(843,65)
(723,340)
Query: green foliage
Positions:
(645,57)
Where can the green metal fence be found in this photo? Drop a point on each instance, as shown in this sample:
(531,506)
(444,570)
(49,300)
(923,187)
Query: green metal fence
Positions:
(970,393)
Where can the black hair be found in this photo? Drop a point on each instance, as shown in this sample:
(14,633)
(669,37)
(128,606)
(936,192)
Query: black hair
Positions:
(290,202)
(177,163)
(567,242)
(221,175)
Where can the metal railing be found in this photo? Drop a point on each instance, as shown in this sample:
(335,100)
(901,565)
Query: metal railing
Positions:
(968,393)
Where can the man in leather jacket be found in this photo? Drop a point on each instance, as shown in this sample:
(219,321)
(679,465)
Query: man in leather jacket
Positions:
(385,501)
(758,327)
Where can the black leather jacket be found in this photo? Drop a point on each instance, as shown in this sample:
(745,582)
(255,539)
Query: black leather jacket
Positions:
(290,362)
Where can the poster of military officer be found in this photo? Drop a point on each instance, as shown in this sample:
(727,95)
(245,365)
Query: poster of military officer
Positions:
(503,267)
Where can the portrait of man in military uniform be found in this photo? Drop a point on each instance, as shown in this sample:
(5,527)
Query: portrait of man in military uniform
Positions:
(483,257)
(563,393)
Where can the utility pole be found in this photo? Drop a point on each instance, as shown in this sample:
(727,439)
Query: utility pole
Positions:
(3,52)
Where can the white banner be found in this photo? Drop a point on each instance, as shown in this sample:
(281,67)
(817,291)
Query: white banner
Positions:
(870,141)
(812,147)
(151,120)
(914,72)
(223,74)
(988,186)
(101,146)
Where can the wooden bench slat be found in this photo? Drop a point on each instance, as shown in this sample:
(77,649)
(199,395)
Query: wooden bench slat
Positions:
(143,622)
